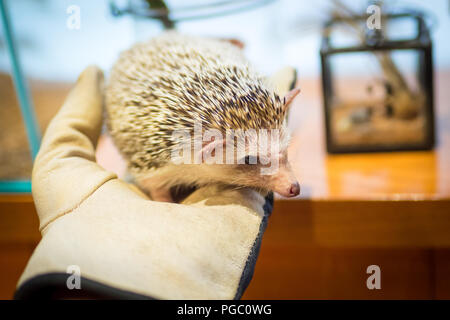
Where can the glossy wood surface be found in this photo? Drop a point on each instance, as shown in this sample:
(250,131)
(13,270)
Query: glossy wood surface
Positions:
(389,209)
(416,175)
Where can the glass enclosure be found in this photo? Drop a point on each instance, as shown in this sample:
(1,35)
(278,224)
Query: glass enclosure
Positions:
(378,89)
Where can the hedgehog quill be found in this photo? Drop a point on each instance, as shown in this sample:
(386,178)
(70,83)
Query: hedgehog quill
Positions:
(174,83)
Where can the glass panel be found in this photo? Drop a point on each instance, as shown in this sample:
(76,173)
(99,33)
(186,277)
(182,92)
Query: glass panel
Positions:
(15,156)
(405,28)
(45,96)
(378,101)
(347,35)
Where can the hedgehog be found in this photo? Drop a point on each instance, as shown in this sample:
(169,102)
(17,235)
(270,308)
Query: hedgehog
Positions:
(176,83)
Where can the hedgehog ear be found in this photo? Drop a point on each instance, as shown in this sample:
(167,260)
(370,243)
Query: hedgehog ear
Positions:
(211,150)
(289,97)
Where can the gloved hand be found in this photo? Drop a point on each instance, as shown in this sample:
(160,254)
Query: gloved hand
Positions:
(202,248)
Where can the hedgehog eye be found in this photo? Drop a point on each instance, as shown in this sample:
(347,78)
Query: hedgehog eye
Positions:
(250,160)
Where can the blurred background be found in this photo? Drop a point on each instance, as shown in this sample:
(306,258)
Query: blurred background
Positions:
(355,210)
(276,34)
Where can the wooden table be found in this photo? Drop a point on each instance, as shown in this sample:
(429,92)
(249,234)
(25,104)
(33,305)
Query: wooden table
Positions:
(388,209)
(355,210)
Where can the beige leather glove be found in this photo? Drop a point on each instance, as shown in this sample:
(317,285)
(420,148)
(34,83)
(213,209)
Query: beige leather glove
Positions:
(203,248)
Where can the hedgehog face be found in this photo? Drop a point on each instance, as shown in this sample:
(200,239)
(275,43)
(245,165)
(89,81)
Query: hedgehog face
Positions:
(281,180)
(268,172)
(257,159)
(251,174)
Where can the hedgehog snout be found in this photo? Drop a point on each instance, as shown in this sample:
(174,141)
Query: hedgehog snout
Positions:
(294,189)
(284,182)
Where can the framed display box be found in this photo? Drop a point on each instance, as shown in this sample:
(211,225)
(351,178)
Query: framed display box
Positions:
(378,90)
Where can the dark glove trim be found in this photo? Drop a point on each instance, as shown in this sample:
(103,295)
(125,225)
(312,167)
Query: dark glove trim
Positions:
(51,286)
(247,274)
